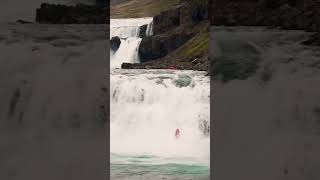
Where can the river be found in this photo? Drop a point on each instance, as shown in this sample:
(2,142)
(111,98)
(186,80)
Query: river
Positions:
(146,108)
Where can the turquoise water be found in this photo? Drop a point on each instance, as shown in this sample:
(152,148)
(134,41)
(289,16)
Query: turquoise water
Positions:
(152,167)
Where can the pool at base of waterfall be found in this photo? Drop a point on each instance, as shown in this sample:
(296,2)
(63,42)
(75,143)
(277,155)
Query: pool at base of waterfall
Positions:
(139,167)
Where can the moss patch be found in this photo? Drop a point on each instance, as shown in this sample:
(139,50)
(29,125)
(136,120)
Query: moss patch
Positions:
(196,47)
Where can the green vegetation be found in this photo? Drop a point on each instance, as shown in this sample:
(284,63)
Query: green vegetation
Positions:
(198,45)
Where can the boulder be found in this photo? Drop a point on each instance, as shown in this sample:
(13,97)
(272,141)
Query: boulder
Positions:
(115,43)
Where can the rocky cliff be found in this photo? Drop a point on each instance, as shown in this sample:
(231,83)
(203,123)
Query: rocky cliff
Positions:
(78,14)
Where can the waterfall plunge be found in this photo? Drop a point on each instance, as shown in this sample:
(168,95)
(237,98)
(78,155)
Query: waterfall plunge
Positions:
(148,105)
(128,30)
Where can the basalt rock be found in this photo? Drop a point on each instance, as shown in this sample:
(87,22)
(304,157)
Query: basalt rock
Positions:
(155,47)
(115,43)
(79,14)
(193,11)
(166,21)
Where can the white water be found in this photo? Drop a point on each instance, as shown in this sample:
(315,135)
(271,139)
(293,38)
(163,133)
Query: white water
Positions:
(148,105)
(146,108)
(128,31)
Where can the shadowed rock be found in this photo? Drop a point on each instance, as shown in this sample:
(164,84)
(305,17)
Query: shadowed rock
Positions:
(115,43)
(79,14)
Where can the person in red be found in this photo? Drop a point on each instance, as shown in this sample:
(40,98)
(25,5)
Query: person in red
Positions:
(177,132)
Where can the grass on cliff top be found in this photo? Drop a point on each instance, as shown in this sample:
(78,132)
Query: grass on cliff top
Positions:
(199,45)
(196,47)
(141,8)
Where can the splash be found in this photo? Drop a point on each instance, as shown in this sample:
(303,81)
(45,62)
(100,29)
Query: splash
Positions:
(148,105)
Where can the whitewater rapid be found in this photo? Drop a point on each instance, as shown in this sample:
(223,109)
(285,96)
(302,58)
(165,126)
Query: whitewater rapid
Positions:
(128,30)
(148,105)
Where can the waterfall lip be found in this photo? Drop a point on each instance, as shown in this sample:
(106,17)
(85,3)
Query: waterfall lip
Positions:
(127,22)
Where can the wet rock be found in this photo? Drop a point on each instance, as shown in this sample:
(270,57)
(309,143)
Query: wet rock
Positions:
(143,31)
(115,43)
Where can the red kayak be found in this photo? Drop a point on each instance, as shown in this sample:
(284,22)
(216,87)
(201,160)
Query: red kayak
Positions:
(172,67)
(177,133)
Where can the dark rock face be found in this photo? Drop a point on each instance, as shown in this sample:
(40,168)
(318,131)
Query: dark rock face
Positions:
(151,48)
(115,43)
(79,14)
(193,11)
(287,14)
(166,21)
(155,47)
(143,31)
(189,12)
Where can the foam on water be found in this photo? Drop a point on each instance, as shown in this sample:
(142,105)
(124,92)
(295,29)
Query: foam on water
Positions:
(146,108)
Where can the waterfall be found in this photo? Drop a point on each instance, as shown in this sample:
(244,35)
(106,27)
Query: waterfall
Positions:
(128,30)
(148,105)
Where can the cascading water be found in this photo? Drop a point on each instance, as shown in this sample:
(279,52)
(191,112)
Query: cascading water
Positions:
(146,108)
(128,30)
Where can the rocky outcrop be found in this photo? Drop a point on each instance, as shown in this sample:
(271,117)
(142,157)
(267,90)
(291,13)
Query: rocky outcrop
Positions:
(143,31)
(172,29)
(154,47)
(166,21)
(193,11)
(79,14)
(115,43)
(189,12)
